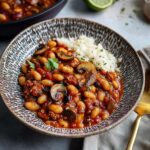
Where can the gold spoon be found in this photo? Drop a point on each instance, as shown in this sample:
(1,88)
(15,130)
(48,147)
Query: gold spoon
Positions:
(143,107)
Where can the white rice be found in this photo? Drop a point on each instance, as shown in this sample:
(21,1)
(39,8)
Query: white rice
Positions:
(87,50)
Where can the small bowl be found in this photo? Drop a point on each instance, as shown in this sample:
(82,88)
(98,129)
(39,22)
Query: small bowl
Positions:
(12,28)
(25,44)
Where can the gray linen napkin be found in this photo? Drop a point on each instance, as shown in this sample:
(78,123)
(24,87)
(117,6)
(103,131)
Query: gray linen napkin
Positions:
(117,138)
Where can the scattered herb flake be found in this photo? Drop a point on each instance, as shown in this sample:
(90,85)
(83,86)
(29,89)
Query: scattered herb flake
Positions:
(130,16)
(48,66)
(135,11)
(122,10)
(32,65)
(82,58)
(126,24)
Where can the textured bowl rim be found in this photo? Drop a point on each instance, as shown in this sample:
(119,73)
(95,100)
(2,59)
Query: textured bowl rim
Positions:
(83,134)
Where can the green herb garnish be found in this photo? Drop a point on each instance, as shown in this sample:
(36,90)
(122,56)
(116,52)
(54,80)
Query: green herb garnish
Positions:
(122,9)
(48,66)
(52,64)
(32,65)
(135,11)
(92,59)
(82,58)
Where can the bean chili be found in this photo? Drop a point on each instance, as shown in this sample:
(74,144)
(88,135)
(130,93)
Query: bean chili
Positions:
(11,10)
(65,91)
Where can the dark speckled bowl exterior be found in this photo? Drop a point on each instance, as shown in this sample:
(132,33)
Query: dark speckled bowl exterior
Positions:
(8,30)
(26,43)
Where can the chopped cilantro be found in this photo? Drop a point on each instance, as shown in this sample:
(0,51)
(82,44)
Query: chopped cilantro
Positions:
(48,66)
(130,16)
(122,10)
(32,66)
(92,58)
(52,64)
(135,11)
(82,58)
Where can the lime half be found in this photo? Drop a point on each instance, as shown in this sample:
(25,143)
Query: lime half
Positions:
(99,4)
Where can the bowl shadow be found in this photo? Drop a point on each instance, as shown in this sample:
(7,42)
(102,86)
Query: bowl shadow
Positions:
(15,136)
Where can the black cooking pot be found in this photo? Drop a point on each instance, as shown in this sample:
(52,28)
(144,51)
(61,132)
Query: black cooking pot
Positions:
(11,28)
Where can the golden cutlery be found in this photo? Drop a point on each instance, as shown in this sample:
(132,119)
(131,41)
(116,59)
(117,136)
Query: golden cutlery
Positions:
(143,107)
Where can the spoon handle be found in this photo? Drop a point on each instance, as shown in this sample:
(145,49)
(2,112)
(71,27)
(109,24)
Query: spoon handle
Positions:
(134,133)
(145,56)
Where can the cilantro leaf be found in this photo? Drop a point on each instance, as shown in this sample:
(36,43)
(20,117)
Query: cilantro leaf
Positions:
(52,64)
(32,65)
(48,66)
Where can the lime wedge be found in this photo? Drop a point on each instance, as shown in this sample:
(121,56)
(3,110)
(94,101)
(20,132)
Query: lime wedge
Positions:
(99,4)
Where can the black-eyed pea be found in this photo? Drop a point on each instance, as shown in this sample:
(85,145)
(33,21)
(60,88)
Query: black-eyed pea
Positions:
(63,123)
(115,95)
(37,76)
(52,44)
(48,122)
(105,115)
(81,106)
(35,10)
(54,49)
(22,80)
(80,125)
(105,84)
(58,77)
(52,123)
(55,108)
(5,6)
(51,55)
(42,99)
(33,106)
(24,68)
(3,17)
(93,88)
(112,75)
(100,95)
(47,82)
(43,60)
(67,69)
(72,89)
(18,10)
(115,84)
(89,94)
(79,118)
(78,76)
(95,112)
(61,66)
(76,98)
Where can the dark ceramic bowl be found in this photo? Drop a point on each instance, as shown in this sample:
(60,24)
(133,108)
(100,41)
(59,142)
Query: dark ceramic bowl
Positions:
(12,28)
(26,43)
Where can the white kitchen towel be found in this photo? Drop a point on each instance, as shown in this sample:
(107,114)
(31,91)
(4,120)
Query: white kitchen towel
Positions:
(117,138)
